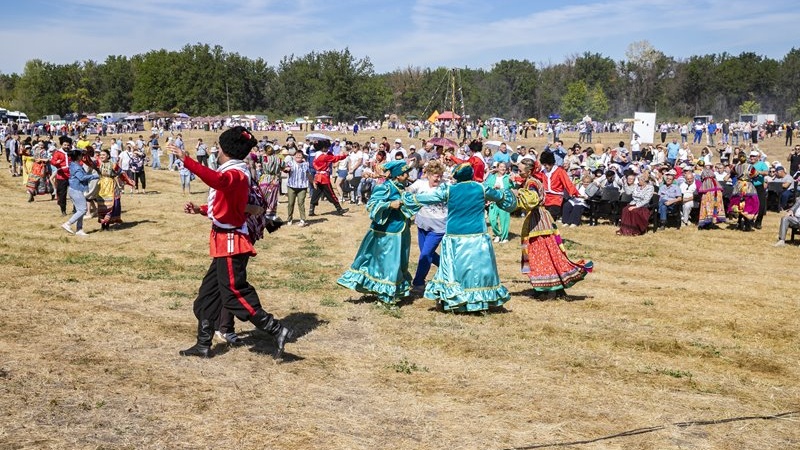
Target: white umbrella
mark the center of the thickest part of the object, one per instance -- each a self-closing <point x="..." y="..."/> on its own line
<point x="494" y="145"/>
<point x="318" y="137"/>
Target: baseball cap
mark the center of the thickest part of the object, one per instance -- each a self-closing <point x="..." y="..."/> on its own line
<point x="398" y="141"/>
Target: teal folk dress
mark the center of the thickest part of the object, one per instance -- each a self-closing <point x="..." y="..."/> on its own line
<point x="381" y="265"/>
<point x="467" y="278"/>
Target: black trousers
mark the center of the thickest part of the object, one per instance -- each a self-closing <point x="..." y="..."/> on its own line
<point x="203" y="159"/>
<point x="573" y="213"/>
<point x="762" y="202"/>
<point x="140" y="176"/>
<point x="555" y="211"/>
<point x="61" y="194"/>
<point x="324" y="190"/>
<point x="225" y="285"/>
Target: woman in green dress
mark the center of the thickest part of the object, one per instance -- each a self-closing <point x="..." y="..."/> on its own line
<point x="467" y="278"/>
<point x="380" y="267"/>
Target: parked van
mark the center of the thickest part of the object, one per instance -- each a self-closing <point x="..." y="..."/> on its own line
<point x="49" y="118"/>
<point x="17" y="116"/>
<point x="703" y="119"/>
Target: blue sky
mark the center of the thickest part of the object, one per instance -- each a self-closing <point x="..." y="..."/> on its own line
<point x="396" y="34"/>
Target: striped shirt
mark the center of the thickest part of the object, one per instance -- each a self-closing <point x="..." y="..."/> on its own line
<point x="298" y="177"/>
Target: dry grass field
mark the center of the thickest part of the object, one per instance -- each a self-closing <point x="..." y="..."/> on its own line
<point x="676" y="326"/>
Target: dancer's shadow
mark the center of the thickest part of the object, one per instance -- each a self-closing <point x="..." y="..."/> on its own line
<point x="373" y="299"/>
<point x="126" y="225"/>
<point x="316" y="220"/>
<point x="491" y="311"/>
<point x="301" y="324"/>
<point x="540" y="296"/>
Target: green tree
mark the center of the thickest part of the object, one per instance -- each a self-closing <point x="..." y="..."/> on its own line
<point x="575" y="103"/>
<point x="750" y="107"/>
<point x="115" y="84"/>
<point x="598" y="105"/>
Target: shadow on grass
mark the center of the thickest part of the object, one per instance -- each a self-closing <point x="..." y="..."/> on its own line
<point x="543" y="296"/>
<point x="316" y="220"/>
<point x="491" y="311"/>
<point x="373" y="299"/>
<point x="301" y="324"/>
<point x="126" y="225"/>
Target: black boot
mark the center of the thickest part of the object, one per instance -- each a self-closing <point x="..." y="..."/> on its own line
<point x="311" y="211"/>
<point x="340" y="210"/>
<point x="266" y="322"/>
<point x="205" y="332"/>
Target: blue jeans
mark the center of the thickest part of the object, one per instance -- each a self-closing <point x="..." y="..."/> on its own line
<point x="663" y="208"/>
<point x="156" y="164"/>
<point x="785" y="196"/>
<point x="428" y="243"/>
<point x="79" y="200"/>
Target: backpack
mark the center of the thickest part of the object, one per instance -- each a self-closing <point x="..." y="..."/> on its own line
<point x="256" y="224"/>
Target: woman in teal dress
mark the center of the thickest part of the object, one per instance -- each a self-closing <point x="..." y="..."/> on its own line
<point x="467" y="278"/>
<point x="381" y="265"/>
<point x="499" y="219"/>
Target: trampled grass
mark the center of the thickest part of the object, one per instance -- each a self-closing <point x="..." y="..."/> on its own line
<point x="674" y="326"/>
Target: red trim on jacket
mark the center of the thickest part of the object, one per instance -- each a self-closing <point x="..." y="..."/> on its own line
<point x="322" y="165"/>
<point x="61" y="163"/>
<point x="559" y="182"/>
<point x="478" y="167"/>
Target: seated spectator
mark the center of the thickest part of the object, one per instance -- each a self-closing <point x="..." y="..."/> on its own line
<point x="792" y="218"/>
<point x="688" y="189"/>
<point x="787" y="183"/>
<point x="636" y="216"/>
<point x="670" y="196"/>
<point x="610" y="179"/>
<point x="575" y="206"/>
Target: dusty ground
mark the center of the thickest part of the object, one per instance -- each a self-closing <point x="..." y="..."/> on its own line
<point x="675" y="326"/>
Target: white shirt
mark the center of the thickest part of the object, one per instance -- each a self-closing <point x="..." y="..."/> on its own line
<point x="395" y="151"/>
<point x="635" y="146"/>
<point x="125" y="160"/>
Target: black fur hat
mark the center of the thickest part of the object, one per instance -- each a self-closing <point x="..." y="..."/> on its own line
<point x="547" y="158"/>
<point x="237" y="142"/>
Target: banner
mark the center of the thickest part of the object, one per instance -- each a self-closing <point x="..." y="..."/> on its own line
<point x="644" y="125"/>
<point x="433" y="116"/>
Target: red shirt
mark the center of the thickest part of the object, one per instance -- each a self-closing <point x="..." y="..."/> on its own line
<point x="478" y="167"/>
<point x="555" y="183"/>
<point x="322" y="165"/>
<point x="61" y="163"/>
<point x="227" y="200"/>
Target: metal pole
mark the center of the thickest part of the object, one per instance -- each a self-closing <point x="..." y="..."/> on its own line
<point x="228" y="96"/>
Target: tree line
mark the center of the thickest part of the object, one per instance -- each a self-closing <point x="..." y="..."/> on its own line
<point x="205" y="80"/>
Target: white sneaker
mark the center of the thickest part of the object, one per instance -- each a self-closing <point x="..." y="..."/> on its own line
<point x="504" y="241"/>
<point x="67" y="228"/>
<point x="780" y="243"/>
<point x="572" y="225"/>
<point x="302" y="223"/>
<point x="289" y="223"/>
<point x="496" y="239"/>
<point x="80" y="233"/>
